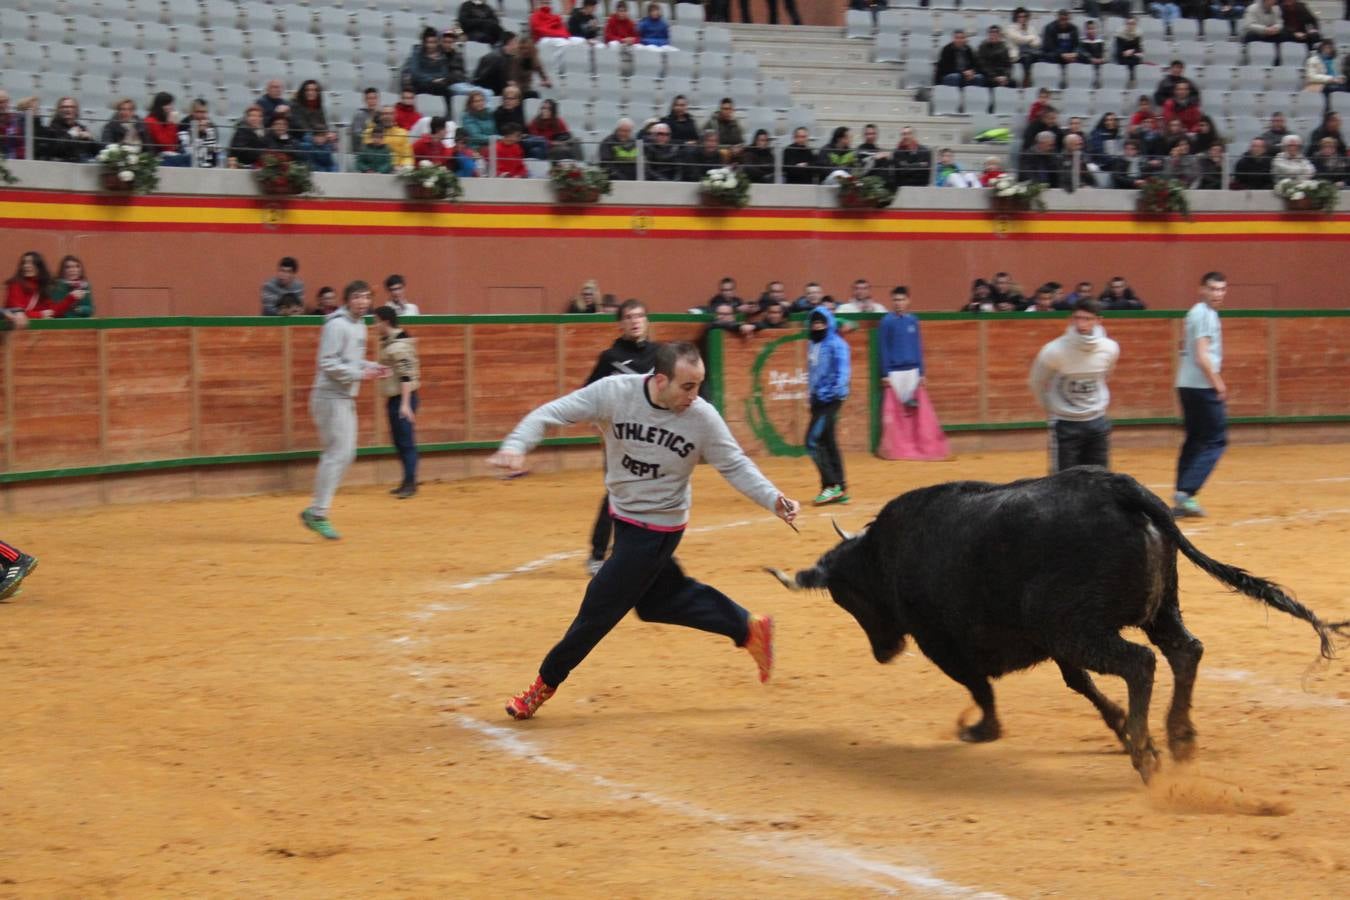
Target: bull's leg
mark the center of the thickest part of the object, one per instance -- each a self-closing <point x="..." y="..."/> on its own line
<point x="1183" y="651"/>
<point x="1079" y="680"/>
<point x="987" y="729"/>
<point x="1110" y="654"/>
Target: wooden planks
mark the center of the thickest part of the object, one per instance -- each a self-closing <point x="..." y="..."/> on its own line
<point x="148" y="389"/>
<point x="56" y="413"/>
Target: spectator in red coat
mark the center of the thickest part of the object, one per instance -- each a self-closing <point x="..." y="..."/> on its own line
<point x="405" y="110"/>
<point x="161" y="123"/>
<point x="510" y="154"/>
<point x="27" y="287"/>
<point x="431" y="146"/>
<point x="545" y="23"/>
<point x="1183" y="107"/>
<point x="619" y="27"/>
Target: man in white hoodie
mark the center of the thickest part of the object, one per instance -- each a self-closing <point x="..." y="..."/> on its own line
<point x="1069" y="378"/>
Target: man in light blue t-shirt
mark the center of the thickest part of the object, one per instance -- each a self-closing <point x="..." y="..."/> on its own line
<point x="1203" y="395"/>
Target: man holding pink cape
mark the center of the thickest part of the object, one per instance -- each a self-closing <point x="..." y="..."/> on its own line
<point x="910" y="427"/>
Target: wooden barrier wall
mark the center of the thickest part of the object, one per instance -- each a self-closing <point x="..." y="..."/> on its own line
<point x="82" y="401"/>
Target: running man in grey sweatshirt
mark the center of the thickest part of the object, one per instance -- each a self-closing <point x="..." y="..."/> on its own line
<point x="342" y="366"/>
<point x="656" y="430"/>
<point x="1069" y="378"/>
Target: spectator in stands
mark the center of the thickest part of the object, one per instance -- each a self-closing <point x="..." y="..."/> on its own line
<point x="454" y="60"/>
<point x="705" y="157"/>
<point x="1129" y="46"/>
<point x="290" y="305"/>
<point x="661" y="156"/>
<point x="1119" y="295"/>
<point x="431" y="148"/>
<point x="1206" y="135"/>
<point x="396" y="287"/>
<point x="1005" y="296"/>
<point x="861" y="301"/>
<point x="724" y="319"/>
<point x="280" y="140"/>
<point x="1075" y="168"/>
<point x="1252" y="170"/>
<point x="757" y="160"/>
<point x="1155" y="139"/>
<point x="993" y="170"/>
<point x="799" y="159"/>
<point x="396" y="138"/>
<point x="586" y="299"/>
<point x="511" y="153"/>
<point x="12" y="129"/>
<point x="1180" y="165"/>
<point x="911" y="162"/>
<point x="1039" y="105"/>
<point x="1092" y="48"/>
<point x="653" y="30"/>
<point x="1227" y="10"/>
<point x="1299" y="23"/>
<point x="406" y="115"/>
<point x="618" y="152"/>
<point x="549" y="127"/>
<point x="1167" y="10"/>
<point x="809" y="299"/>
<point x="1329" y="163"/>
<point x="1182" y="107"/>
<point x="509" y="111"/>
<point x="1024" y="42"/>
<point x="479" y="22"/>
<point x="1059" y="41"/>
<point x="1081" y="291"/>
<point x="65" y="139"/>
<point x="494" y="69"/>
<point x="582" y="22"/>
<point x="950" y="174"/>
<point x="730" y="137"/>
<point x="1330" y="128"/>
<point x="526" y="66"/>
<point x="125" y="127"/>
<point x="957" y="65"/>
<point x="994" y="59"/>
<point x="1321" y="72"/>
<point x="249" y="140"/>
<point x="1105" y="137"/>
<point x="1275" y="133"/>
<point x="774" y="316"/>
<point x="374" y="156"/>
<point x="286" y="281"/>
<point x="1043" y="301"/>
<point x="325" y="301"/>
<point x="1129" y="170"/>
<point x="838" y="154"/>
<point x="477" y="128"/>
<point x="726" y="293"/>
<point x="869" y="151"/>
<point x="620" y="30"/>
<point x="273" y="100"/>
<point x="683" y="128"/>
<point x="774" y="292"/>
<point x="161" y="123"/>
<point x="198" y="138"/>
<point x="980" y="300"/>
<point x="1261" y="22"/>
<point x="369" y="111"/>
<point x="427" y="70"/>
<point x="309" y="124"/>
<point x="1211" y="168"/>
<point x="1167" y="86"/>
<point x="1143" y="111"/>
<point x="1291" y="163"/>
<point x="545" y="23"/>
<point x="27" y="288"/>
<point x="1049" y="122"/>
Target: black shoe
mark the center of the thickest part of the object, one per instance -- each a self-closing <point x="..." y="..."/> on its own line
<point x="398" y="490"/>
<point x="406" y="491"/>
<point x="15" y="574"/>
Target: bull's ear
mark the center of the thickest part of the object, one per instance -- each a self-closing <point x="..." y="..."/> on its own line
<point x="814" y="577"/>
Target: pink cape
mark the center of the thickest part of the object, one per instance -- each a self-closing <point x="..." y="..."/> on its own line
<point x="910" y="432"/>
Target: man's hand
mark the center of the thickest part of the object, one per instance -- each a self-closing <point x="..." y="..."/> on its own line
<point x="786" y="509"/>
<point x="509" y="460"/>
<point x="1220" y="388"/>
<point x="405" y="412"/>
<point x="373" y="371"/>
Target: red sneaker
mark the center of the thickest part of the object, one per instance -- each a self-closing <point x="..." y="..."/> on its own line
<point x="527" y="702"/>
<point x="759" y="642"/>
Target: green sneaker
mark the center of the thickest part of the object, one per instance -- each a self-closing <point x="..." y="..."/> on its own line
<point x="1187" y="508"/>
<point x="832" y="494"/>
<point x="320" y="525"/>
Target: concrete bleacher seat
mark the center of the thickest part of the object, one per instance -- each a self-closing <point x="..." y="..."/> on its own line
<point x="685" y="37"/>
<point x="946" y="100"/>
<point x="857" y="24"/>
<point x="888" y="48"/>
<point x="716" y="39"/>
<point x="689" y="13"/>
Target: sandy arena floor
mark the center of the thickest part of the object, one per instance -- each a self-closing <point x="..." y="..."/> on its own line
<point x="202" y="699"/>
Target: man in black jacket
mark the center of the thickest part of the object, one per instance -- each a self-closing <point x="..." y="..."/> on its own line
<point x="1059" y="40"/>
<point x="582" y="22"/>
<point x="631" y="354"/>
<point x="1252" y="170"/>
<point x="479" y="22"/>
<point x="957" y="65"/>
<point x="661" y="156"/>
<point x="799" y="159"/>
<point x="1040" y="162"/>
<point x="65" y="139"/>
<point x="494" y="69"/>
<point x="911" y="162"/>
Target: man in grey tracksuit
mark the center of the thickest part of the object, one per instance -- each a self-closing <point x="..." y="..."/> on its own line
<point x="656" y="430"/>
<point x="1069" y="378"/>
<point x="342" y="366"/>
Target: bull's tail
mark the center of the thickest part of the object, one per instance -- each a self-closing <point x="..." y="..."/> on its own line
<point x="1135" y="496"/>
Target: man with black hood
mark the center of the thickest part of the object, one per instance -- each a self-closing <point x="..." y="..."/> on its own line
<point x="829" y="369"/>
<point x="632" y="353"/>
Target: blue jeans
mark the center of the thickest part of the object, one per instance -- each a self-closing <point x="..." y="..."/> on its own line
<point x="1168" y="12"/>
<point x="821" y="443"/>
<point x="318" y="160"/>
<point x="955" y="80"/>
<point x="1206" y="419"/>
<point x="642" y="574"/>
<point x="404" y="437"/>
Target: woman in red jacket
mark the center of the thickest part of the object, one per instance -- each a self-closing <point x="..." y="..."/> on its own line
<point x="547" y="124"/>
<point x="162" y="124"/>
<point x="27" y="288"/>
<point x="545" y="23"/>
<point x="619" y="28"/>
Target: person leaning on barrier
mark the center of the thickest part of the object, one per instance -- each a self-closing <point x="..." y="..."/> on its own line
<point x="618" y="152"/>
<point x="662" y="157"/>
<point x="1252" y="170"/>
<point x="65" y="138"/>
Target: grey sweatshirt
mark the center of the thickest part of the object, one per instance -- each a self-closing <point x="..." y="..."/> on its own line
<point x="342" y="356"/>
<point x="1069" y="375"/>
<point x="650" y="452"/>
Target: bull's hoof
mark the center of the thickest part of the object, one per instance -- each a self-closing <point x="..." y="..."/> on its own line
<point x="1181" y="744"/>
<point x="1146" y="762"/>
<point x="981" y="732"/>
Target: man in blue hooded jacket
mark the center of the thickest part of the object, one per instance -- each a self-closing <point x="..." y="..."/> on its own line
<point x="829" y="366"/>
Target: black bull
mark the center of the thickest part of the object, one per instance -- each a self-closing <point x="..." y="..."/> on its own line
<point x="991" y="578"/>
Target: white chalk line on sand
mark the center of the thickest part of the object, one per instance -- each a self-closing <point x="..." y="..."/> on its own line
<point x="808" y="855"/>
<point x="1278" y="695"/>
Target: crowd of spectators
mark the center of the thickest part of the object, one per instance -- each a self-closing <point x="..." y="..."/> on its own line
<point x="1002" y="294"/>
<point x="284" y="294"/>
<point x="34" y="291"/>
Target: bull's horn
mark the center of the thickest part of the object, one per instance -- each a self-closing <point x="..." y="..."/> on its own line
<point x="844" y="535"/>
<point x="783" y="578"/>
